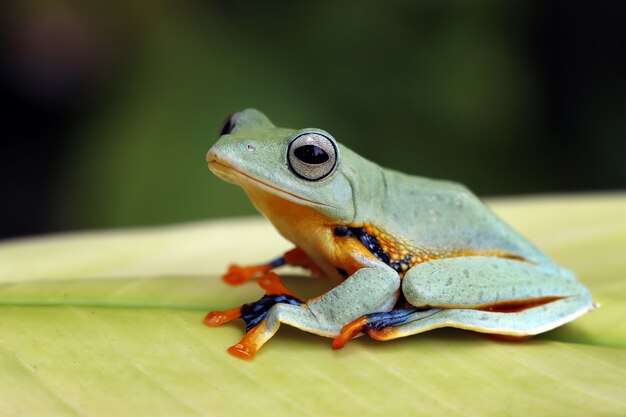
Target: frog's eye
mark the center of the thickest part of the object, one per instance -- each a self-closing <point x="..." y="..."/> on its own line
<point x="229" y="124"/>
<point x="312" y="156"/>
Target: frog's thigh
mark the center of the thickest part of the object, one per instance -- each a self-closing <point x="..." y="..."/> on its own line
<point x="368" y="290"/>
<point x="481" y="281"/>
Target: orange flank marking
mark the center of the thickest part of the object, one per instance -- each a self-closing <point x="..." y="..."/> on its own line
<point x="247" y="347"/>
<point x="406" y="254"/>
<point x="217" y="318"/>
<point x="519" y="305"/>
<point x="237" y="274"/>
<point x="495" y="253"/>
<point x="349" y="332"/>
<point x="272" y="284"/>
<point x="507" y="338"/>
<point x="298" y="257"/>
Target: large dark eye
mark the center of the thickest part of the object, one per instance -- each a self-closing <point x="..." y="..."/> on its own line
<point x="312" y="156"/>
<point x="229" y="124"/>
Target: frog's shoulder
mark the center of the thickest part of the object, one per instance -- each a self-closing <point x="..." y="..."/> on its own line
<point x="411" y="195"/>
<point x="383" y="193"/>
<point x="416" y="188"/>
<point x="403" y="202"/>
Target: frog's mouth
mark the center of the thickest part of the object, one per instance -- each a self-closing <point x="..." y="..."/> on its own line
<point x="233" y="175"/>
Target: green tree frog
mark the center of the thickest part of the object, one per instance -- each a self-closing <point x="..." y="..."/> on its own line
<point x="408" y="254"/>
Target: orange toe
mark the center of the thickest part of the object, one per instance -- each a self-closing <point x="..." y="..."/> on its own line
<point x="239" y="274"/>
<point x="272" y="284"/>
<point x="386" y="333"/>
<point x="217" y="318"/>
<point x="349" y="332"/>
<point x="242" y="351"/>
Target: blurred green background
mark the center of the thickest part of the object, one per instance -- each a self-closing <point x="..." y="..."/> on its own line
<point x="110" y="106"/>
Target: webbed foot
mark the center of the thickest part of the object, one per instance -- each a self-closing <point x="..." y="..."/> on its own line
<point x="254" y="314"/>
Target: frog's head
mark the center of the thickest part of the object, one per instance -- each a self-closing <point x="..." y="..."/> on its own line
<point x="304" y="167"/>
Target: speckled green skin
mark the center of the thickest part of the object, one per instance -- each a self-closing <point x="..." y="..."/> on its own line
<point x="437" y="215"/>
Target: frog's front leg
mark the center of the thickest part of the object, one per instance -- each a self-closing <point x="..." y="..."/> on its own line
<point x="483" y="294"/>
<point x="238" y="274"/>
<point x="370" y="289"/>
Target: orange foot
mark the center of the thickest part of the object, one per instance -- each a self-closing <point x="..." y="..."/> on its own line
<point x="237" y="274"/>
<point x="349" y="332"/>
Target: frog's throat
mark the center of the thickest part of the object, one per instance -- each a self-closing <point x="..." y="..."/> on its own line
<point x="232" y="174"/>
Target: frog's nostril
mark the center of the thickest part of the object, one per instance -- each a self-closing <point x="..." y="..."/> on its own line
<point x="229" y="124"/>
<point x="211" y="155"/>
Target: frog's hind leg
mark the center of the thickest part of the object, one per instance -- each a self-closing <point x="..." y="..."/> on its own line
<point x="490" y="295"/>
<point x="483" y="294"/>
<point x="521" y="324"/>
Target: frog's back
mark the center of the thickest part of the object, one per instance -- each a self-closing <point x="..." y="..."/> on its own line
<point x="442" y="217"/>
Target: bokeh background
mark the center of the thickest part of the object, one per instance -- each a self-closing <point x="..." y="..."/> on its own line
<point x="110" y="106"/>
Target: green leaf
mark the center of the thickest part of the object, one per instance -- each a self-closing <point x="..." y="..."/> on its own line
<point x="110" y="324"/>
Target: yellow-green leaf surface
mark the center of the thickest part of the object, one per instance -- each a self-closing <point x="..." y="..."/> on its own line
<point x="110" y="324"/>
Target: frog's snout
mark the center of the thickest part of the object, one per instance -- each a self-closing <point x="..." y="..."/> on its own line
<point x="212" y="155"/>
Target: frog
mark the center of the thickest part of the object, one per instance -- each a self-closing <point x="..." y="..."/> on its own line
<point x="405" y="254"/>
